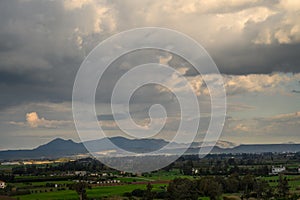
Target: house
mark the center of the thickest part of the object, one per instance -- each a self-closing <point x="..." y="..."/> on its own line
<point x="277" y="170"/>
<point x="195" y="171"/>
<point x="2" y="184"/>
<point x="80" y="173"/>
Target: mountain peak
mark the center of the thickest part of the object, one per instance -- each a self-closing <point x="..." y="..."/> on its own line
<point x="58" y="141"/>
<point x="59" y="144"/>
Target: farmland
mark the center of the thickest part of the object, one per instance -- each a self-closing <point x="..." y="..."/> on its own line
<point x="233" y="175"/>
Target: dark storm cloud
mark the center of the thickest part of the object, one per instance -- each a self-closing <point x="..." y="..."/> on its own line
<point x="16" y="79"/>
<point x="42" y="43"/>
<point x="243" y="37"/>
<point x="268" y="46"/>
<point x="250" y="59"/>
<point x="258" y="59"/>
<point x="39" y="53"/>
<point x="108" y="117"/>
<point x="9" y="42"/>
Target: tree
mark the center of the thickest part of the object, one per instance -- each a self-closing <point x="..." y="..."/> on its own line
<point x="214" y="190"/>
<point x="182" y="188"/>
<point x="283" y="186"/>
<point x="208" y="186"/>
<point x="138" y="193"/>
<point x="148" y="192"/>
<point x="81" y="191"/>
<point x="187" y="168"/>
<point x="262" y="189"/>
<point x="248" y="184"/>
<point x="232" y="184"/>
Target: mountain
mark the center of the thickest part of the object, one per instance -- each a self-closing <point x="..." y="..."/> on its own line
<point x="251" y="148"/>
<point x="134" y="145"/>
<point x="58" y="146"/>
<point x="221" y="143"/>
<point x="54" y="149"/>
<point x="264" y="148"/>
<point x="63" y="148"/>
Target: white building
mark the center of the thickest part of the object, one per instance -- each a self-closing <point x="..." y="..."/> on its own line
<point x="277" y="170"/>
<point x="195" y="171"/>
<point x="2" y="184"/>
<point x="80" y="173"/>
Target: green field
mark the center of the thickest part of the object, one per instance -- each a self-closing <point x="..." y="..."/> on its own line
<point x="162" y="175"/>
<point x="62" y="195"/>
<point x="40" y="184"/>
<point x="294" y="181"/>
<point x="57" y="185"/>
<point x="96" y="192"/>
<point x="39" y="191"/>
<point x="119" y="190"/>
<point x="134" y="179"/>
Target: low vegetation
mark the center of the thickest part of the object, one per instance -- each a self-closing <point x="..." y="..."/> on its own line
<point x="224" y="176"/>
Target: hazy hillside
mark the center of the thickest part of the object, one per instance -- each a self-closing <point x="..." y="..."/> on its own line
<point x="61" y="148"/>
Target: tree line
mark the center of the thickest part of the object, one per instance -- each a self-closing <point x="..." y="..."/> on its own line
<point x="214" y="186"/>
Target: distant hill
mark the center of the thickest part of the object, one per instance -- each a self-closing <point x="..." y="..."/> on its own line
<point x="134" y="145"/>
<point x="221" y="143"/>
<point x="63" y="148"/>
<point x="54" y="149"/>
<point x="263" y="148"/>
<point x="252" y="148"/>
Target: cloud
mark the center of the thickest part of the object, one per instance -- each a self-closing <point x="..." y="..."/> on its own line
<point x="273" y="128"/>
<point x="238" y="84"/>
<point x="42" y="33"/>
<point x="75" y="4"/>
<point x="101" y="16"/>
<point x="255" y="45"/>
<point x="239" y="107"/>
<point x="34" y="121"/>
<point x="277" y="82"/>
<point x="295" y="91"/>
<point x="165" y="60"/>
<point x="42" y="44"/>
<point x="242" y="37"/>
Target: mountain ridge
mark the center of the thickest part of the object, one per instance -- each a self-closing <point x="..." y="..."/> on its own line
<point x="59" y="147"/>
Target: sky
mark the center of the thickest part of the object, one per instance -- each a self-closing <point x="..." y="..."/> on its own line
<point x="254" y="43"/>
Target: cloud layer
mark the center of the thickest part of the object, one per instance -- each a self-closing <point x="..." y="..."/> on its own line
<point x="34" y="121"/>
<point x="255" y="44"/>
<point x="42" y="44"/>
